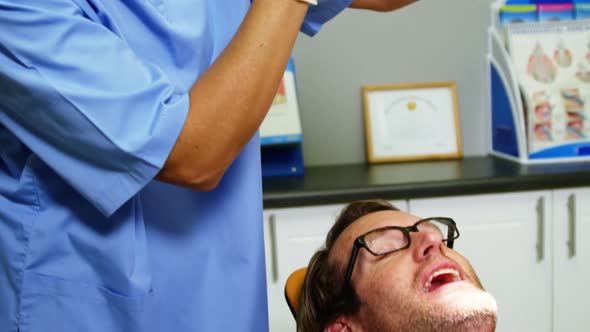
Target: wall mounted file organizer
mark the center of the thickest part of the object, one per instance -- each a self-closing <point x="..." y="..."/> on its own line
<point x="539" y="89"/>
<point x="281" y="136"/>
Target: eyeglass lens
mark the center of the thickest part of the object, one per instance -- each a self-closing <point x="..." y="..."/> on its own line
<point x="386" y="240"/>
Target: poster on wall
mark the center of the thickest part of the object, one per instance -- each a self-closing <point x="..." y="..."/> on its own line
<point x="552" y="61"/>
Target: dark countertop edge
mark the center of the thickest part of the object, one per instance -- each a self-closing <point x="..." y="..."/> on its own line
<point x="426" y="189"/>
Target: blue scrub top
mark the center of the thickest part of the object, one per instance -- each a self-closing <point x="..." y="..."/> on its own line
<point x="93" y="94"/>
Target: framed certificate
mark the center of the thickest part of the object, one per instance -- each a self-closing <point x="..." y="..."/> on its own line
<point x="412" y="122"/>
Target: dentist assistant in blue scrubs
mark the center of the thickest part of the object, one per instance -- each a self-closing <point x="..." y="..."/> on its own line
<point x="130" y="183"/>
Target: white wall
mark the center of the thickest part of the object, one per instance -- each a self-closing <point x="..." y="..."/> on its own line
<point x="432" y="40"/>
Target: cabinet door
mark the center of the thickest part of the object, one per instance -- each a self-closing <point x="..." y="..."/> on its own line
<point x="571" y="227"/>
<point x="504" y="237"/>
<point x="292" y="236"/>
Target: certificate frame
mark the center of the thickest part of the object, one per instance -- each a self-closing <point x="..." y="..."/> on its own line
<point x="411" y="122"/>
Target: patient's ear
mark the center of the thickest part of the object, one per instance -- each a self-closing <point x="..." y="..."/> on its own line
<point x="341" y="324"/>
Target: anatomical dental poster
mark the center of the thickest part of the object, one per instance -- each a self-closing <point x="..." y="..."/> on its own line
<point x="552" y="62"/>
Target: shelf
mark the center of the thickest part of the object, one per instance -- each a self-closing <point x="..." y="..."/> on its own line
<point x="471" y="175"/>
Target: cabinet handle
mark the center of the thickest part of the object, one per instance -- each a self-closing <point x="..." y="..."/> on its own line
<point x="571" y="243"/>
<point x="540" y="229"/>
<point x="272" y="230"/>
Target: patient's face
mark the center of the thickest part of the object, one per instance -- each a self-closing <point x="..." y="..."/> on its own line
<point x="426" y="287"/>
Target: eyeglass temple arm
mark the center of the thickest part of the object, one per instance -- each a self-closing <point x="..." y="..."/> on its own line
<point x="355" y="249"/>
<point x="450" y="237"/>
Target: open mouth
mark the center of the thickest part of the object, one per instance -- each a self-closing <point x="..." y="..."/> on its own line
<point x="440" y="278"/>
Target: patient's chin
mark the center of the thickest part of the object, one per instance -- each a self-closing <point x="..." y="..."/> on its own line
<point x="466" y="318"/>
<point x="460" y="308"/>
<point x="475" y="301"/>
<point x="465" y="298"/>
<point x="473" y="312"/>
<point x="467" y="310"/>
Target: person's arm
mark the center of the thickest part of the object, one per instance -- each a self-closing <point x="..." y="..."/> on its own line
<point x="380" y="5"/>
<point x="230" y="100"/>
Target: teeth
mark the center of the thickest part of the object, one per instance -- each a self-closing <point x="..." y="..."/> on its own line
<point x="454" y="272"/>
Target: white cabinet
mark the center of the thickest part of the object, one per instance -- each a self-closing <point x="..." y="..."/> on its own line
<point x="530" y="249"/>
<point x="500" y="234"/>
<point x="292" y="236"/>
<point x="506" y="238"/>
<point x="571" y="242"/>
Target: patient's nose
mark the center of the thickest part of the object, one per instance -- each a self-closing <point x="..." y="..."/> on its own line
<point x="425" y="244"/>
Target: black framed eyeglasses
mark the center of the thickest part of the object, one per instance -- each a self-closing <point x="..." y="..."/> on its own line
<point x="386" y="240"/>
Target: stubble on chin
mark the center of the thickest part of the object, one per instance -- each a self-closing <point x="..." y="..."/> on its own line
<point x="480" y="321"/>
<point x="477" y="321"/>
<point x="409" y="315"/>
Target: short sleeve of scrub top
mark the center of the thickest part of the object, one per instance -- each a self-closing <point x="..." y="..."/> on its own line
<point x="83" y="102"/>
<point x="96" y="91"/>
